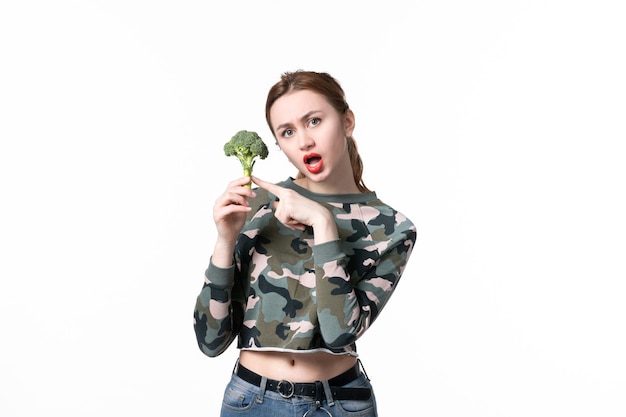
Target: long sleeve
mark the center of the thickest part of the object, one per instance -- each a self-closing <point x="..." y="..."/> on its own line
<point x="348" y="303"/>
<point x="217" y="316"/>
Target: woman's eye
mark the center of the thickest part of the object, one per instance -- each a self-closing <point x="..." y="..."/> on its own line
<point x="287" y="133"/>
<point x="315" y="121"/>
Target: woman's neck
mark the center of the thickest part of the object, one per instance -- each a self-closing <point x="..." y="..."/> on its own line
<point x="328" y="187"/>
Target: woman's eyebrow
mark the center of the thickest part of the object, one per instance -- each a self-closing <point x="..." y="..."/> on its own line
<point x="302" y="119"/>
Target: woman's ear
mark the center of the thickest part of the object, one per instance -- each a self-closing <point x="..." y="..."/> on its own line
<point x="348" y="122"/>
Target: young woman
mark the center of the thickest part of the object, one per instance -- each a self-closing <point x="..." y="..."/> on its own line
<point x="301" y="269"/>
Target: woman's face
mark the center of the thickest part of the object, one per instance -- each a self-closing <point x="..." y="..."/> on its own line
<point x="312" y="134"/>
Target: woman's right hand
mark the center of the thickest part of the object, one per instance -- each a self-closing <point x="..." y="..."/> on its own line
<point x="230" y="210"/>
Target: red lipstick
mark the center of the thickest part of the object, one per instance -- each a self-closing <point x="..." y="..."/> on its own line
<point x="313" y="162"/>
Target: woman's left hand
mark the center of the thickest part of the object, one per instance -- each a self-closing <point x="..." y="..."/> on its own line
<point x="296" y="211"/>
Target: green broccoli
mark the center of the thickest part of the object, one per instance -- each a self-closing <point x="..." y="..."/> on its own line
<point x="246" y="146"/>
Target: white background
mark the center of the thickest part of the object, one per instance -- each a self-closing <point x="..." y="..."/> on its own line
<point x="496" y="126"/>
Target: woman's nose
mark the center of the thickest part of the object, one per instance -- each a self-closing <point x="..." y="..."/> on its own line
<point x="306" y="141"/>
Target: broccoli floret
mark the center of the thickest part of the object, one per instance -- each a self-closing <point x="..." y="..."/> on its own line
<point x="246" y="146"/>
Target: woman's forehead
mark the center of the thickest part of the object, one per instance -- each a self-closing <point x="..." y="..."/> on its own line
<point x="296" y="104"/>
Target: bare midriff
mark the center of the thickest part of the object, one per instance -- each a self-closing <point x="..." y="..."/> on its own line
<point x="296" y="367"/>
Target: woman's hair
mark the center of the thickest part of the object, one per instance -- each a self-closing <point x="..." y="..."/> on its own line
<point x="321" y="83"/>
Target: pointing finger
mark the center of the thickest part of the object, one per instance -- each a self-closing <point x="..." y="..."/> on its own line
<point x="272" y="188"/>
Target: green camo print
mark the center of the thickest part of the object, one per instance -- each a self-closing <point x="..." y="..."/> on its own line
<point x="285" y="293"/>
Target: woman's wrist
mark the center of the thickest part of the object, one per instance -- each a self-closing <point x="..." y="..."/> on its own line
<point x="223" y="254"/>
<point x="325" y="229"/>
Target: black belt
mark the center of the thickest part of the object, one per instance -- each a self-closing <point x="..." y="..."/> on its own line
<point x="288" y="389"/>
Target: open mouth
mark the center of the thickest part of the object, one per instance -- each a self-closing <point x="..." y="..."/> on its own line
<point x="313" y="162"/>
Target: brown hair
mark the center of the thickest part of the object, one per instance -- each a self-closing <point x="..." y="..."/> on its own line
<point x="321" y="83"/>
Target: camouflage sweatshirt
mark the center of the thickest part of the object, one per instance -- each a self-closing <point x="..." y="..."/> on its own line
<point x="283" y="293"/>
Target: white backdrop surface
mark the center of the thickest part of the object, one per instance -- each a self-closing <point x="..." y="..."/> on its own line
<point x="497" y="127"/>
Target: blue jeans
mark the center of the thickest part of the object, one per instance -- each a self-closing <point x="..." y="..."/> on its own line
<point x="244" y="399"/>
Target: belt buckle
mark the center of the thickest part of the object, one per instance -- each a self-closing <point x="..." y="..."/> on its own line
<point x="285" y="388"/>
